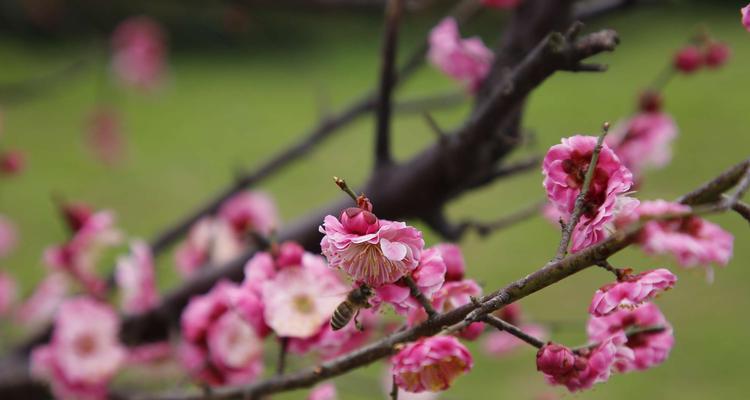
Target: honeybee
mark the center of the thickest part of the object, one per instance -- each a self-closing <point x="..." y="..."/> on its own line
<point x="357" y="299"/>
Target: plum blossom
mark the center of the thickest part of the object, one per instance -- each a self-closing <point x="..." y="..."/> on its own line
<point x="329" y="343"/>
<point x="210" y="241"/>
<point x="12" y="162"/>
<point x="561" y="366"/>
<point x="649" y="348"/>
<point x="564" y="169"/>
<point x="134" y="275"/>
<point x="222" y="336"/>
<point x="372" y="251"/>
<point x="716" y="54"/>
<point x="450" y="296"/>
<point x="691" y="240"/>
<point x="250" y="211"/>
<point x="8" y="236"/>
<point x="501" y="3"/>
<point x="44" y="301"/>
<point x="644" y="141"/>
<point x="104" y="135"/>
<point x="139" y="52"/>
<point x="259" y="269"/>
<point x="454" y="261"/>
<point x="631" y="291"/>
<point x="745" y="12"/>
<point x="465" y="60"/>
<point x="323" y="391"/>
<point x="8" y="293"/>
<point x="429" y="277"/>
<point x="430" y="364"/>
<point x="84" y="353"/>
<point x="688" y="59"/>
<point x="300" y="300"/>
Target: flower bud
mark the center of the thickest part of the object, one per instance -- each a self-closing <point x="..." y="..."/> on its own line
<point x="76" y="215"/>
<point x="290" y="254"/>
<point x="650" y="101"/>
<point x="359" y="221"/>
<point x="688" y="60"/>
<point x="717" y="54"/>
<point x="555" y="360"/>
<point x="12" y="162"/>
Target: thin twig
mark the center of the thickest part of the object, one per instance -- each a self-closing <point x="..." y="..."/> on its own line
<point x="629" y="333"/>
<point x="341" y="183"/>
<point x="283" y="351"/>
<point x="393" y="11"/>
<point x="429" y="103"/>
<point x="421" y="298"/>
<point x="513" y="330"/>
<point x="394" y="388"/>
<point x="604" y="264"/>
<point x="567" y="233"/>
<point x="485" y="229"/>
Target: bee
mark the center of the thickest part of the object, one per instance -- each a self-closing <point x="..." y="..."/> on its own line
<point x="357" y="299"/>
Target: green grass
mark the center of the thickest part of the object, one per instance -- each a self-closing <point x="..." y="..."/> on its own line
<point x="231" y="107"/>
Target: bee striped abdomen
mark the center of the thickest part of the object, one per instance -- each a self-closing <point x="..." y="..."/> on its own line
<point x="342" y="315"/>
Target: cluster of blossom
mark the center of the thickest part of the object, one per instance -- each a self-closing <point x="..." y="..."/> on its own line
<point x="217" y="239"/>
<point x="627" y="333"/>
<point x="706" y="51"/>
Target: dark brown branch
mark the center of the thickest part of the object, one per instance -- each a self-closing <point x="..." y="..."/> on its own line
<point x="430" y="103"/>
<point x="567" y="232"/>
<point x="713" y="189"/>
<point x="513" y="330"/>
<point x="393" y="11"/>
<point x="283" y="352"/>
<point x="417" y="294"/>
<point x="394" y="389"/>
<point x="743" y="209"/>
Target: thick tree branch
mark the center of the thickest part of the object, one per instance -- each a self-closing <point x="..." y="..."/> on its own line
<point x="393" y="11"/>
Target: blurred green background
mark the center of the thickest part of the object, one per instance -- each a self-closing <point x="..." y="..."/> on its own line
<point x="233" y="105"/>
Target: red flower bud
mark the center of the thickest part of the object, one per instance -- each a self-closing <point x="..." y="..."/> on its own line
<point x="688" y="59"/>
<point x="359" y="221"/>
<point x="717" y="54"/>
<point x="12" y="162"/>
<point x="76" y="215"/>
<point x="555" y="360"/>
<point x="650" y="101"/>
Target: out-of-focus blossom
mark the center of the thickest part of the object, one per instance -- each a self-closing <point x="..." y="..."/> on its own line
<point x="44" y="301"/>
<point x="250" y="211"/>
<point x="8" y="236"/>
<point x="691" y="240"/>
<point x="84" y="353"/>
<point x="135" y="277"/>
<point x="465" y="60"/>
<point x="564" y="170"/>
<point x="12" y="162"/>
<point x="329" y="343"/>
<point x="644" y="141"/>
<point x="454" y="261"/>
<point x="210" y="241"/>
<point x="8" y="293"/>
<point x="717" y="54"/>
<point x="222" y="336"/>
<point x="450" y="296"/>
<point x="631" y="291"/>
<point x="150" y="353"/>
<point x="688" y="59"/>
<point x="323" y="391"/>
<point x="299" y="301"/>
<point x="259" y="269"/>
<point x="501" y="343"/>
<point x="387" y="386"/>
<point x="649" y="348"/>
<point x="373" y="256"/>
<point x="428" y="276"/>
<point x="501" y="3"/>
<point x="430" y="364"/>
<point x="745" y="12"/>
<point x="139" y="52"/>
<point x="580" y="371"/>
<point x="104" y="135"/>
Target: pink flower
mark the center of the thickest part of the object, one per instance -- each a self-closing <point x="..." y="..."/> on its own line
<point x="76" y="261"/>
<point x="135" y="277"/>
<point x="430" y="364"/>
<point x="465" y="60"/>
<point x="688" y="59"/>
<point x="222" y="336"/>
<point x="429" y="277"/>
<point x="454" y="261"/>
<point x="631" y="291"/>
<point x="578" y="372"/>
<point x="644" y="141"/>
<point x="329" y="343"/>
<point x="84" y="353"/>
<point x="501" y="3"/>
<point x="649" y="348"/>
<point x="41" y="306"/>
<point x="499" y="343"/>
<point x="139" y="52"/>
<point x="259" y="269"/>
<point x="211" y="241"/>
<point x="300" y="300"/>
<point x="564" y="169"/>
<point x="377" y="258"/>
<point x="717" y="54"/>
<point x="450" y="296"/>
<point x="8" y="293"/>
<point x="104" y="135"/>
<point x="691" y="240"/>
<point x="8" y="236"/>
<point x="745" y="12"/>
<point x="12" y="162"/>
<point x="250" y="211"/>
<point x="323" y="391"/>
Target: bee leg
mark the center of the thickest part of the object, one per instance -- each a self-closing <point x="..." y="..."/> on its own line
<point x="358" y="324"/>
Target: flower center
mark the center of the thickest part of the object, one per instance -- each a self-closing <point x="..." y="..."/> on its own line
<point x="576" y="167"/>
<point x="303" y="304"/>
<point x="85" y="345"/>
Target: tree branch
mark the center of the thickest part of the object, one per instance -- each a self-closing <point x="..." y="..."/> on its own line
<point x="393" y="11"/>
<point x="513" y="330"/>
<point x="417" y="294"/>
